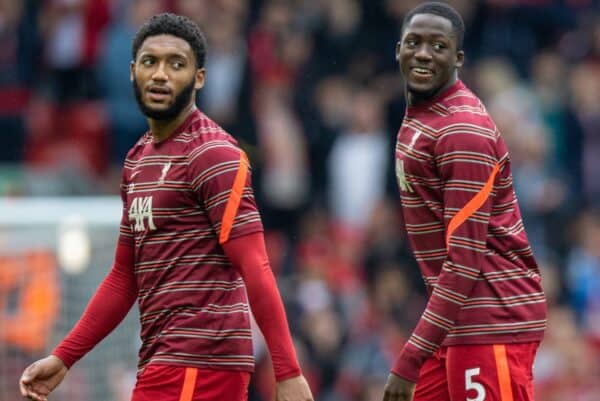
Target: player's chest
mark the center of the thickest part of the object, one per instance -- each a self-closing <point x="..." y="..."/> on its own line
<point x="157" y="191"/>
<point x="415" y="157"/>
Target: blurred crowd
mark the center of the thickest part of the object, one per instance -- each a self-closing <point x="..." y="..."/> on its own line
<point x="311" y="91"/>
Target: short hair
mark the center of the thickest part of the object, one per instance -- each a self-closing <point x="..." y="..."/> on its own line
<point x="442" y="10"/>
<point x="176" y="25"/>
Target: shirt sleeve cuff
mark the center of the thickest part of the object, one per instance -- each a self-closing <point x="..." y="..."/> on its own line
<point x="408" y="364"/>
<point x="63" y="357"/>
<point x="281" y="376"/>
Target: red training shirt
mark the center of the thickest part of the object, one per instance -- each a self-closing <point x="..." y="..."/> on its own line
<point x="203" y="318"/>
<point x="183" y="197"/>
<point x="465" y="229"/>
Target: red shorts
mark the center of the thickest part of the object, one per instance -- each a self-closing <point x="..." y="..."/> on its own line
<point x="501" y="372"/>
<point x="178" y="383"/>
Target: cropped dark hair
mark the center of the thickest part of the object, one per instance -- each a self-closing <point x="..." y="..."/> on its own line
<point x="176" y="25"/>
<point x="442" y="10"/>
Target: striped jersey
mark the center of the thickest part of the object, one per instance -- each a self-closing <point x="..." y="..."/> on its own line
<point x="182" y="198"/>
<point x="465" y="229"/>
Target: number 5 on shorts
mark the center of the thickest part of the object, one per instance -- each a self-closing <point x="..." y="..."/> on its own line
<point x="471" y="384"/>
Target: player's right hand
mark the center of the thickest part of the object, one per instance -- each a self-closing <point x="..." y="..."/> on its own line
<point x="41" y="377"/>
<point x="398" y="389"/>
<point x="294" y="389"/>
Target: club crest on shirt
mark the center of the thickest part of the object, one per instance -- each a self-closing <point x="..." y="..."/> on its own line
<point x="401" y="177"/>
<point x="139" y="211"/>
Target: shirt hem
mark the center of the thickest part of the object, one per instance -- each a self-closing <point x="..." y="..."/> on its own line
<point x="238" y="368"/>
<point x="496" y="339"/>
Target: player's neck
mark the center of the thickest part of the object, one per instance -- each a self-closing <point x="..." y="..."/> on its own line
<point x="162" y="129"/>
<point x="414" y="99"/>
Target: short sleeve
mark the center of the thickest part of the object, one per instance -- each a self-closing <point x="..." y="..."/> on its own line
<point x="220" y="177"/>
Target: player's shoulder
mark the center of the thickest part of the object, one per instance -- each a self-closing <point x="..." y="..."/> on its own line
<point x="136" y="150"/>
<point x="205" y="133"/>
<point x="208" y="143"/>
<point x="463" y="111"/>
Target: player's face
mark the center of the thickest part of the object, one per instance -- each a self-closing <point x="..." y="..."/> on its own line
<point x="427" y="55"/>
<point x="165" y="77"/>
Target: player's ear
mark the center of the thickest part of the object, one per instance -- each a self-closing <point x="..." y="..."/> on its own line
<point x="398" y="46"/>
<point x="460" y="58"/>
<point x="131" y="70"/>
<point x="200" y="75"/>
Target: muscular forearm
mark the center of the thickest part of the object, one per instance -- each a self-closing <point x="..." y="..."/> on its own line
<point x="107" y="308"/>
<point x="249" y="256"/>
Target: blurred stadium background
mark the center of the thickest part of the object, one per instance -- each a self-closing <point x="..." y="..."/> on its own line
<point x="311" y="91"/>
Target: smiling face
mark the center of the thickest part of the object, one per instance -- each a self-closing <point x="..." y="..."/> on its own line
<point x="165" y="77"/>
<point x="428" y="56"/>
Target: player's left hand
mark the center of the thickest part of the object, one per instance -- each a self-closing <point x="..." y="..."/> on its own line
<point x="294" y="389"/>
<point x="398" y="389"/>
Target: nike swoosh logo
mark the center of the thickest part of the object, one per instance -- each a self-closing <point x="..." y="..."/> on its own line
<point x="135" y="173"/>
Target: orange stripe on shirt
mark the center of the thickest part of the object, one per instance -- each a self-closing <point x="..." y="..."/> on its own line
<point x="239" y="183"/>
<point x="473" y="205"/>
<point x="503" y="372"/>
<point x="189" y="384"/>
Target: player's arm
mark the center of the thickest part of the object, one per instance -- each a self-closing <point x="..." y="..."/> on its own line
<point x="112" y="300"/>
<point x="468" y="165"/>
<point x="220" y="176"/>
<point x="249" y="256"/>
<point x="107" y="308"/>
